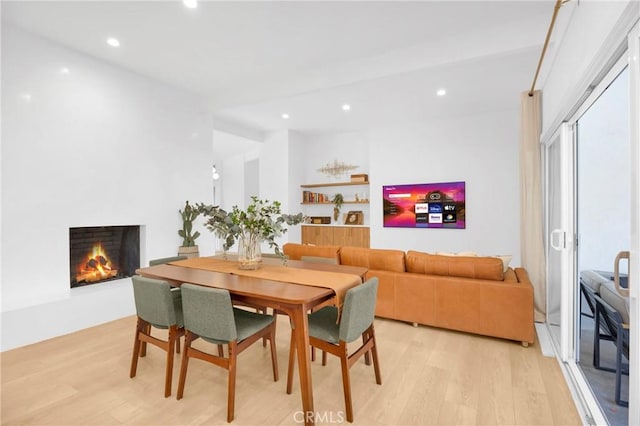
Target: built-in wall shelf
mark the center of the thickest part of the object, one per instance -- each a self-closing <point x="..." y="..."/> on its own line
<point x="344" y="202"/>
<point x="320" y="185"/>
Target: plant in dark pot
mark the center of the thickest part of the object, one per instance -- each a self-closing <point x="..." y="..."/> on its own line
<point x="337" y="201"/>
<point x="188" y="247"/>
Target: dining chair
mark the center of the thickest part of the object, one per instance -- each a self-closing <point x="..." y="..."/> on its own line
<point x="331" y="331"/>
<point x="157" y="306"/>
<point x="209" y="314"/>
<point x="160" y="261"/>
<point x="320" y="259"/>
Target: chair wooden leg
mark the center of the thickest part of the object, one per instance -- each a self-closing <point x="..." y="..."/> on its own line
<point x="220" y="351"/>
<point x="324" y="358"/>
<point x="169" y="368"/>
<point x="367" y="358"/>
<point x="346" y="381"/>
<point x="231" y="399"/>
<point x="374" y="354"/>
<point x="184" y="364"/>
<point x="136" y="349"/>
<point x="147" y="331"/>
<point x="274" y="355"/>
<point x="292" y="361"/>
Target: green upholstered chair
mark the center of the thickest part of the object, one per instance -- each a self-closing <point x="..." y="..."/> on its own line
<point x="319" y="259"/>
<point x="329" y="335"/>
<point x="154" y="262"/>
<point x="209" y="314"/>
<point x="157" y="306"/>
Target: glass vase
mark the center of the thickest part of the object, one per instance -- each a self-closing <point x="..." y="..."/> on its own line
<point x="249" y="252"/>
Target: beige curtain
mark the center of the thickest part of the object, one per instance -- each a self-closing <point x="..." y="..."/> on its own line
<point x="531" y="224"/>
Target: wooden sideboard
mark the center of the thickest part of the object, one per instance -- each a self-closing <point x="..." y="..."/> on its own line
<point x="354" y="236"/>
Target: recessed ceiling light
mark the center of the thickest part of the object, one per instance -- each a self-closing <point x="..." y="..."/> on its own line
<point x="64" y="70"/>
<point x="191" y="4"/>
<point x="441" y="92"/>
<point x="113" y="42"/>
<point x="346" y="107"/>
<point x="285" y="116"/>
<point x="26" y="97"/>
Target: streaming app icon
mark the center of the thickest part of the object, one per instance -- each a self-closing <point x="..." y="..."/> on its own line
<point x="449" y="217"/>
<point x="435" y="208"/>
<point x="422" y="208"/>
<point x="435" y="217"/>
<point x="449" y="207"/>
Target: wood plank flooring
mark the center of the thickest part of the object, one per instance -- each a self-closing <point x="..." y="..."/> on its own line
<point x="429" y="377"/>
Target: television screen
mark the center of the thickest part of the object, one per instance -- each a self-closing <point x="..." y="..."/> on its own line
<point x="424" y="205"/>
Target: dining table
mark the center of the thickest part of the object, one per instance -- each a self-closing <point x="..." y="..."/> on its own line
<point x="291" y="287"/>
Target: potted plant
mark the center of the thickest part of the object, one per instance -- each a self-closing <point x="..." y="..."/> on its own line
<point x="188" y="247"/>
<point x="262" y="221"/>
<point x="337" y="200"/>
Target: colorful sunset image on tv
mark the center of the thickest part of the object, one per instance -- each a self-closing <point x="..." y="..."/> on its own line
<point x="424" y="205"/>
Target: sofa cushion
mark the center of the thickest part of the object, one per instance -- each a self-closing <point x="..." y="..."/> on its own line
<point x="485" y="268"/>
<point x="593" y="279"/>
<point x="296" y="251"/>
<point x="617" y="301"/>
<point x="377" y="259"/>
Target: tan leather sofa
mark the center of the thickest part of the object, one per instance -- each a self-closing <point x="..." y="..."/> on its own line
<point x="470" y="294"/>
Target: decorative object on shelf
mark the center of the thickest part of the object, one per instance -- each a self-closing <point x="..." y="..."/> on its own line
<point x="320" y="220"/>
<point x="336" y="168"/>
<point x="354" y="218"/>
<point x="188" y="247"/>
<point x="337" y="200"/>
<point x="262" y="221"/>
<point x="363" y="177"/>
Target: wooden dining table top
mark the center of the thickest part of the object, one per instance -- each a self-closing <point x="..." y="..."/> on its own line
<point x="277" y="291"/>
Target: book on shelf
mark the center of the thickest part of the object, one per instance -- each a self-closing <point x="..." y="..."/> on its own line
<point x="314" y="197"/>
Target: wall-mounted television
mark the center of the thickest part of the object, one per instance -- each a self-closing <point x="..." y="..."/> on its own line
<point x="424" y="205"/>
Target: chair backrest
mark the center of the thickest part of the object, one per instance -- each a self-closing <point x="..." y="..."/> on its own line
<point x="358" y="310"/>
<point x="154" y="301"/>
<point x="208" y="312"/>
<point x="162" y="260"/>
<point x="319" y="259"/>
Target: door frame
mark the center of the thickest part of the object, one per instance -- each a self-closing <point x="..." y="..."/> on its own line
<point x="634" y="249"/>
<point x="566" y="353"/>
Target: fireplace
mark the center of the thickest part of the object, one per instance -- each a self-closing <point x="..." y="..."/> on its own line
<point x="103" y="253"/>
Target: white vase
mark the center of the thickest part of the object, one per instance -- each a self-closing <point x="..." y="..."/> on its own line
<point x="249" y="252"/>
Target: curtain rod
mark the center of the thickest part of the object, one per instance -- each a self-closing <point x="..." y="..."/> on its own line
<point x="556" y="9"/>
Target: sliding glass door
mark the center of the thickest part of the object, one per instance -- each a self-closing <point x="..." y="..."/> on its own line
<point x="592" y="204"/>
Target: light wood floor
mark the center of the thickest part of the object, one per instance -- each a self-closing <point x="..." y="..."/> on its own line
<point x="429" y="376"/>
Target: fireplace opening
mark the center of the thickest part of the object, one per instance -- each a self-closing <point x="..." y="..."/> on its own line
<point x="103" y="253"/>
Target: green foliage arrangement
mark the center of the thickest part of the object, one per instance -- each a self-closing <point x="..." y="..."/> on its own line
<point x="337" y="200"/>
<point x="189" y="214"/>
<point x="263" y="220"/>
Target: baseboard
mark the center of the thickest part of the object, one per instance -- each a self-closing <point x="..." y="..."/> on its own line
<point x="544" y="339"/>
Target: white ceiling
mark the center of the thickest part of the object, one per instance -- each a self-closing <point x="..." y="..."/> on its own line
<point x="252" y="61"/>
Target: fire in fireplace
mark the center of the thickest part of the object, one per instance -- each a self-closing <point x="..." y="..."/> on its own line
<point x="103" y="253"/>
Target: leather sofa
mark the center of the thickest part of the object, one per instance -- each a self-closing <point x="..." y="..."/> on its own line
<point x="472" y="294"/>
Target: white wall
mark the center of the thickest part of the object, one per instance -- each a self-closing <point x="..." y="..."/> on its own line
<point x="584" y="49"/>
<point x="481" y="150"/>
<point x="96" y="146"/>
<point x="350" y="148"/>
